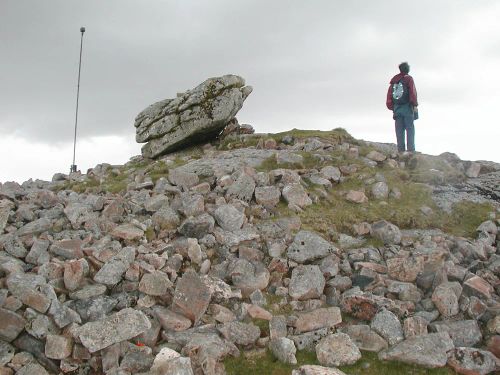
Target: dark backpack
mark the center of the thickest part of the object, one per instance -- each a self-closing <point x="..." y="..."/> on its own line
<point x="400" y="94"/>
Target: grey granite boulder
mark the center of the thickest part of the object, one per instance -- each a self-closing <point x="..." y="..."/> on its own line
<point x="229" y="217"/>
<point x="385" y="231"/>
<point x="337" y="350"/>
<point x="240" y="333"/>
<point x="473" y="361"/>
<point x="308" y="246"/>
<point x="462" y="332"/>
<point x="306" y="282"/>
<point x="115" y="328"/>
<point x="387" y="325"/>
<point x="424" y="350"/>
<point x="365" y="338"/>
<point x="197" y="227"/>
<point x="112" y="271"/>
<point x="193" y="117"/>
<point x="191" y="297"/>
<point x="284" y="349"/>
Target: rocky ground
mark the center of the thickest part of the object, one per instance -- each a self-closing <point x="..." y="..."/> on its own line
<point x="250" y="247"/>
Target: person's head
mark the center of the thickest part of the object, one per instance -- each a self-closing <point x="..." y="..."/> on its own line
<point x="404" y="68"/>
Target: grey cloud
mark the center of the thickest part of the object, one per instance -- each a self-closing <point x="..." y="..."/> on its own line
<point x="305" y="59"/>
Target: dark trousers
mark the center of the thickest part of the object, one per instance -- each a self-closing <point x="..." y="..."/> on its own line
<point x="405" y="124"/>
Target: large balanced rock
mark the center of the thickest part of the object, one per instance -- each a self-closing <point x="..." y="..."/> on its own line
<point x="194" y="116"/>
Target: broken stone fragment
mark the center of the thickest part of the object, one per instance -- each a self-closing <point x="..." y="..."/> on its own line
<point x="356" y="196"/>
<point x="284" y="349"/>
<point x="426" y="350"/>
<point x="58" y="347"/>
<point x="415" y="326"/>
<point x="308" y="246"/>
<point x="155" y="283"/>
<point x="307" y="282"/>
<point x="472" y="361"/>
<point x="296" y="195"/>
<point x="386" y="232"/>
<point x="242" y="189"/>
<point x="268" y="196"/>
<point x="365" y="338"/>
<point x="387" y="325"/>
<point x="317" y="319"/>
<point x="249" y="276"/>
<point x="11" y="325"/>
<point x="477" y="286"/>
<point x="197" y="227"/>
<point x="191" y="297"/>
<point x="229" y="217"/>
<point x="170" y="320"/>
<point x="120" y="326"/>
<point x="240" y="333"/>
<point x="463" y="332"/>
<point x="445" y="298"/>
<point x="405" y="269"/>
<point x="127" y="232"/>
<point x="111" y="272"/>
<point x="337" y="350"/>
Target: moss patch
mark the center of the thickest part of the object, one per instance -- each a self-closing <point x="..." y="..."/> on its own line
<point x="267" y="364"/>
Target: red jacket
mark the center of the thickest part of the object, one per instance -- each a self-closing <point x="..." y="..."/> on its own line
<point x="408" y="80"/>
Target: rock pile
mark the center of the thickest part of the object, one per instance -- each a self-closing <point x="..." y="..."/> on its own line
<point x="195" y="116"/>
<point x="174" y="275"/>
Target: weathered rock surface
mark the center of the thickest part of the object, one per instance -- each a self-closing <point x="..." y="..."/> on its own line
<point x="317" y="319"/>
<point x="284" y="349"/>
<point x="307" y="282"/>
<point x="387" y="325"/>
<point x="193" y="117"/>
<point x="425" y="350"/>
<point x="191" y="297"/>
<point x="121" y="326"/>
<point x="11" y="325"/>
<point x="463" y="333"/>
<point x="308" y="246"/>
<point x="365" y="338"/>
<point x="473" y="361"/>
<point x="337" y="350"/>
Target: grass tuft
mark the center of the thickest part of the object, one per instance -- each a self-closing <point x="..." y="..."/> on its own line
<point x="369" y="364"/>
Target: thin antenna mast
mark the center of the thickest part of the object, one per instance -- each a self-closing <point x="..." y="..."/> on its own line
<point x="73" y="166"/>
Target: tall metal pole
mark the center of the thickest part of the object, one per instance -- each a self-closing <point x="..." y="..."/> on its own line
<point x="73" y="166"/>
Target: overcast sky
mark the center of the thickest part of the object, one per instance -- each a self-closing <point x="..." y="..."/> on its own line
<point x="316" y="64"/>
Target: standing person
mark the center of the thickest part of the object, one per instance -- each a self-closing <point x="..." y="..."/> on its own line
<point x="402" y="101"/>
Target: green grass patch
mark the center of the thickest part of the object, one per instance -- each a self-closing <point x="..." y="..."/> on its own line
<point x="465" y="218"/>
<point x="235" y="142"/>
<point x="335" y="136"/>
<point x="336" y="213"/>
<point x="78" y="186"/>
<point x="115" y="183"/>
<point x="150" y="234"/>
<point x="157" y="170"/>
<point x="267" y="364"/>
